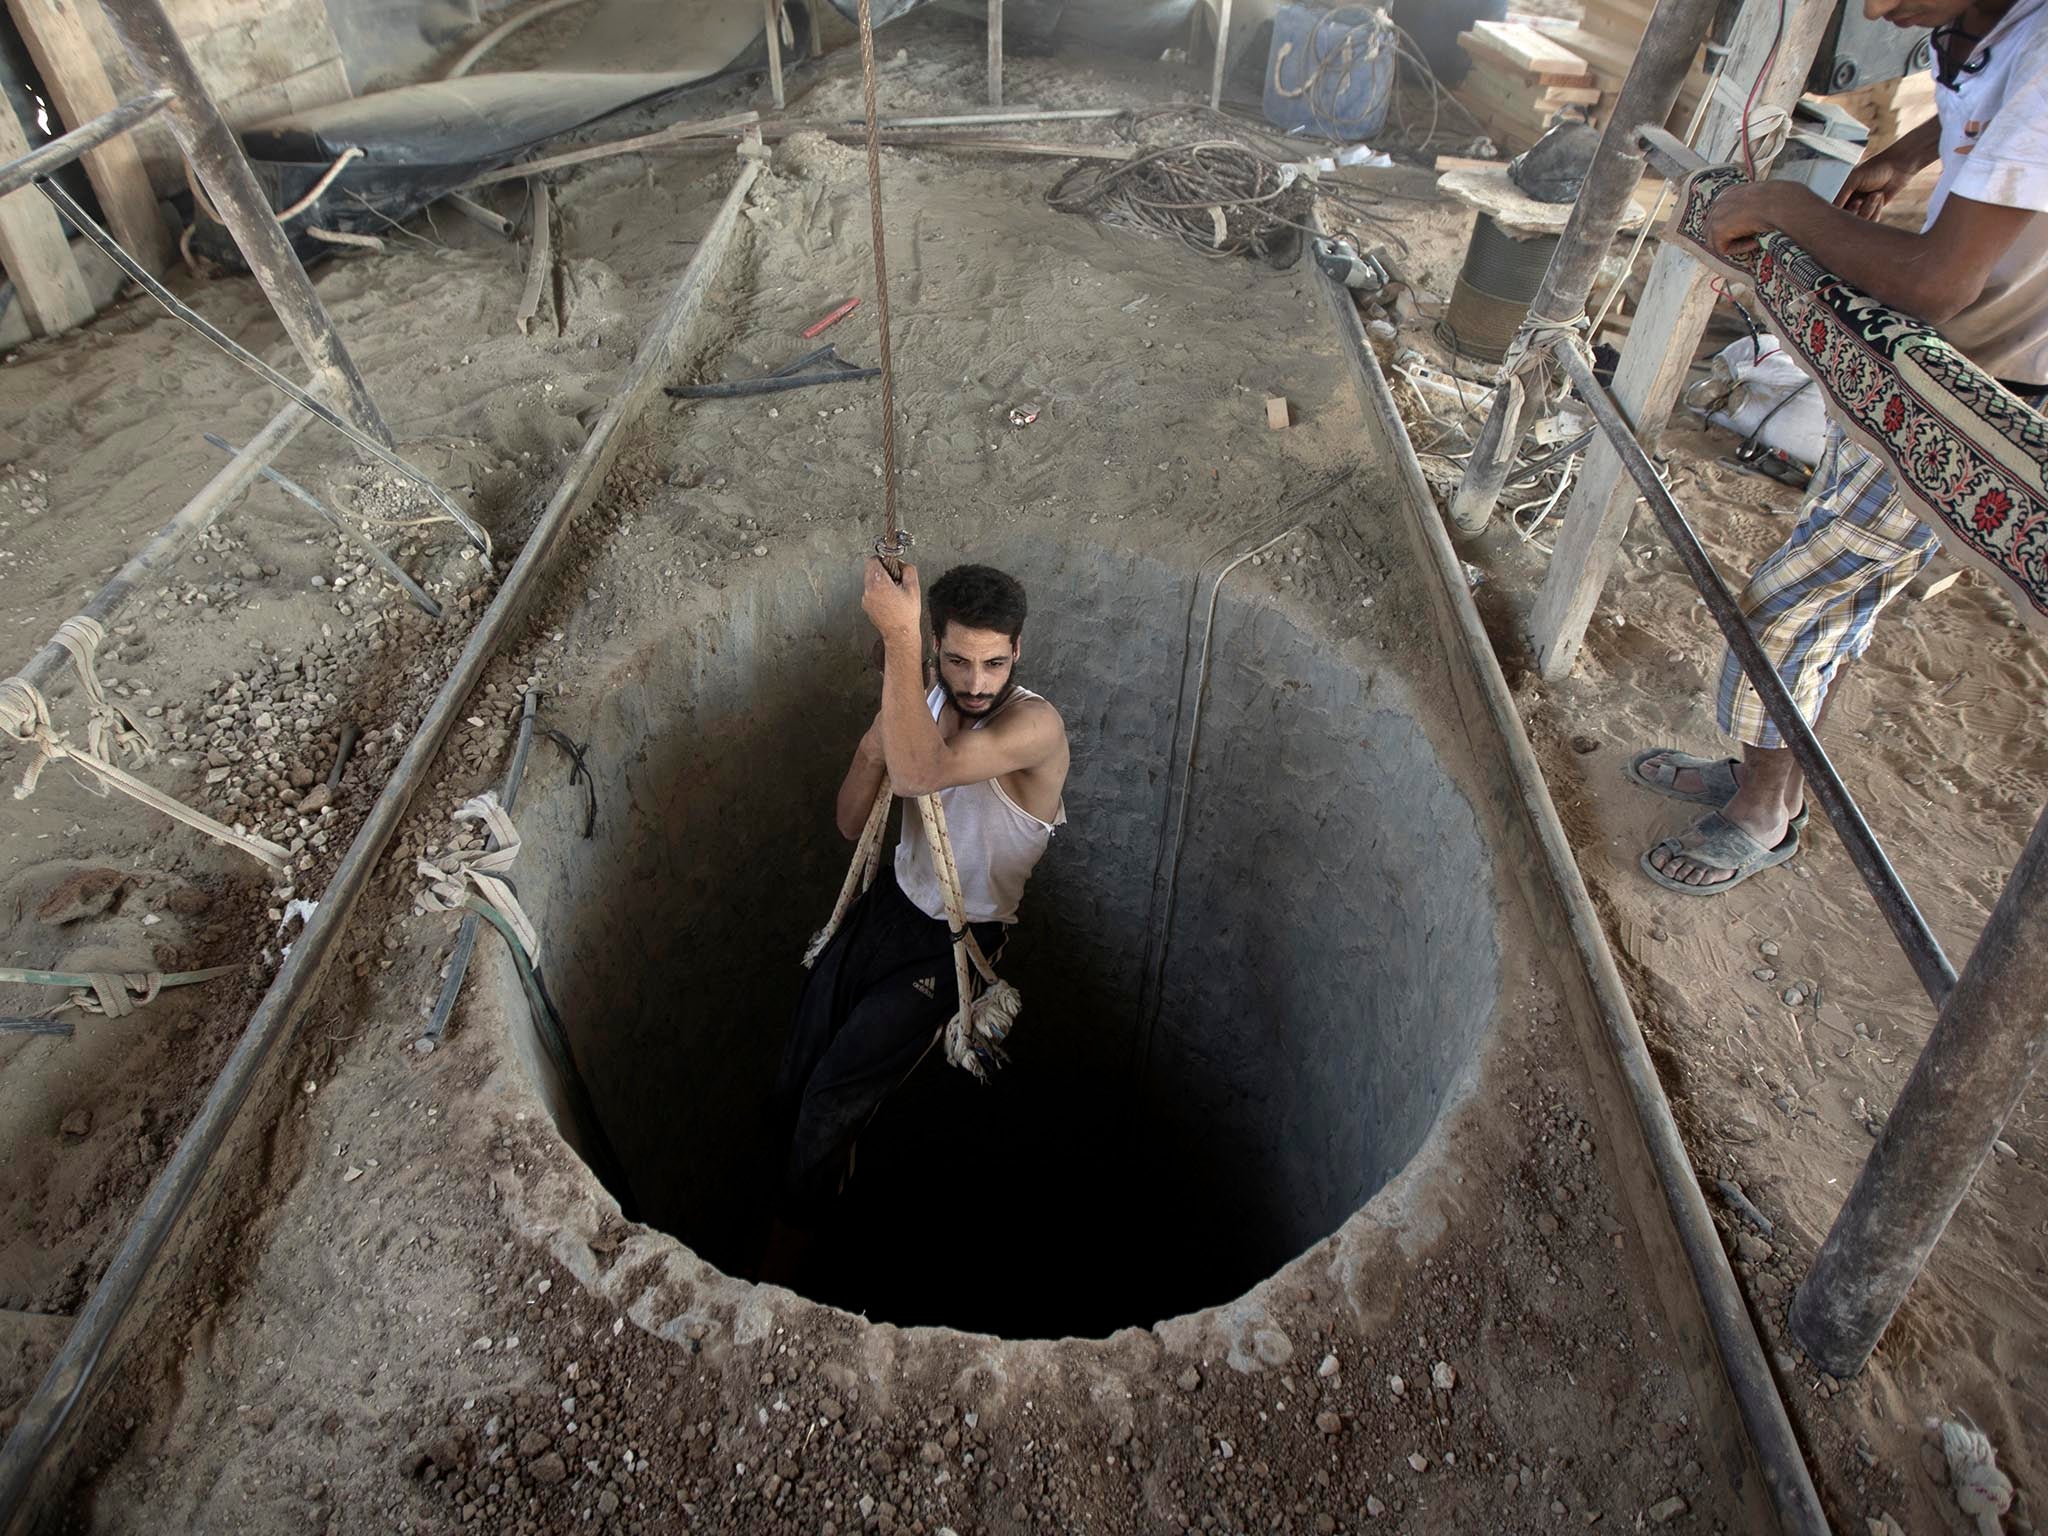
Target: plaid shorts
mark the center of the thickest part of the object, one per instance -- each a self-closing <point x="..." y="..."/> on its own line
<point x="1814" y="604"/>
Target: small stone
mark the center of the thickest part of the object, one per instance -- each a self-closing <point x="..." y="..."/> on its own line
<point x="1188" y="1380"/>
<point x="1768" y="949"/>
<point x="302" y="777"/>
<point x="1753" y="1248"/>
<point x="1442" y="1377"/>
<point x="1374" y="1505"/>
<point x="1764" y="973"/>
<point x="1328" y="1367"/>
<point x="318" y="798"/>
<point x="533" y="1443"/>
<point x="1667" y="1509"/>
<point x="831" y="1410"/>
<point x="2005" y="1149"/>
<point x="1396" y="1385"/>
<point x="78" y="1124"/>
<point x="1329" y="1423"/>
<point x="249" y="570"/>
<point x="1546" y="1224"/>
<point x="932" y="1452"/>
<point x="1418" y="1461"/>
<point x="1584" y="744"/>
<point x="549" y="1469"/>
<point x="1792" y="997"/>
<point x="607" y="1503"/>
<point x="760" y="549"/>
<point x="1326" y="1524"/>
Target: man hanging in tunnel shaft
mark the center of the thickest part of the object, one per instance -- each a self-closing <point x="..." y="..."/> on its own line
<point x="995" y="753"/>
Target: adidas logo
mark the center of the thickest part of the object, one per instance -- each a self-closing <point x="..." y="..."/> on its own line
<point x="928" y="985"/>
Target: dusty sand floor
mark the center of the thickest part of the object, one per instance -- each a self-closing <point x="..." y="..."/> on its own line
<point x="326" y="1371"/>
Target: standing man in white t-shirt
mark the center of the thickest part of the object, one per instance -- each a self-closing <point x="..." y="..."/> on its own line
<point x="1978" y="272"/>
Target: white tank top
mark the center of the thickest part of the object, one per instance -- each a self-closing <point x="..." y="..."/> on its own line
<point x="996" y="842"/>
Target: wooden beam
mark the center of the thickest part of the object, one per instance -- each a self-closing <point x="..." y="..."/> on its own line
<point x="995" y="53"/>
<point x="76" y="78"/>
<point x="1663" y="334"/>
<point x="33" y="249"/>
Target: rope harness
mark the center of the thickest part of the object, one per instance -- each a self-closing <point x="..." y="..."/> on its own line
<point x="25" y="717"/>
<point x="975" y="1033"/>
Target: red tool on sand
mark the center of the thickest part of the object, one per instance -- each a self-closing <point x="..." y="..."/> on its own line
<point x="835" y="317"/>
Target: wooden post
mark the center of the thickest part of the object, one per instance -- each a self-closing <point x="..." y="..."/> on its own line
<point x="1662" y="335"/>
<point x="223" y="170"/>
<point x="995" y="53"/>
<point x="775" y="52"/>
<point x="34" y="251"/>
<point x="1677" y="28"/>
<point x="1222" y="53"/>
<point x="70" y="64"/>
<point x="1989" y="1039"/>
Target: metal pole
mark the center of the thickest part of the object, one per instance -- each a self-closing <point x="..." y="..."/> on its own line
<point x="465" y="937"/>
<point x="61" y="151"/>
<point x="774" y="13"/>
<point x="1222" y="54"/>
<point x="1969" y="1078"/>
<point x="169" y="541"/>
<point x="217" y="159"/>
<point x="89" y="1353"/>
<point x="1923" y="950"/>
<point x="1676" y="31"/>
<point x="1786" y="1478"/>
<point x="995" y="53"/>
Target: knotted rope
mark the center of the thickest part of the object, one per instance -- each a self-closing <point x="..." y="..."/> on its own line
<point x="450" y="881"/>
<point x="108" y="992"/>
<point x="25" y="717"/>
<point x="975" y="1033"/>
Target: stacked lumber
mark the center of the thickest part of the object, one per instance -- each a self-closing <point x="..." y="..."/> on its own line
<point x="1607" y="37"/>
<point x="1519" y="81"/>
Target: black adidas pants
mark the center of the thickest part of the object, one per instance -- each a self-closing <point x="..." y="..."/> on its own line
<point x="873" y="1004"/>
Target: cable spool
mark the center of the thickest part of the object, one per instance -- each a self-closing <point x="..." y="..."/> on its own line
<point x="1491" y="296"/>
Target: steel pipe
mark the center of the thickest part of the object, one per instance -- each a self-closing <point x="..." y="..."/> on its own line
<point x="1741" y="1355"/>
<point x="1909" y="927"/>
<point x="61" y="151"/>
<point x="33" y="1449"/>
<point x="169" y="541"/>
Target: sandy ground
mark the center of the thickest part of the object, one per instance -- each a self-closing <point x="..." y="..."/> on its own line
<point x="329" y="1373"/>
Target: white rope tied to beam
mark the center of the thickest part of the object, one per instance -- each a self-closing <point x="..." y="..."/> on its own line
<point x="450" y="881"/>
<point x="25" y="717"/>
<point x="975" y="1034"/>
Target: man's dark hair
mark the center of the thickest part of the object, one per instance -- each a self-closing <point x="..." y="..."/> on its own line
<point x="977" y="597"/>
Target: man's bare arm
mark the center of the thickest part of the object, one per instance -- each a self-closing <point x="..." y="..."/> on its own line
<point x="1934" y="275"/>
<point x="863" y="779"/>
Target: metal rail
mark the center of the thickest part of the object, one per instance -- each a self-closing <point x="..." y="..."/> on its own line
<point x="1990" y="1036"/>
<point x="1787" y="1481"/>
<point x="61" y="151"/>
<point x="1909" y="927"/>
<point x="31" y="1459"/>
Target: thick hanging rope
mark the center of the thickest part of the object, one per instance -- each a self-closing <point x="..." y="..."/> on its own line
<point x="867" y="87"/>
<point x="25" y="717"/>
<point x="974" y="1035"/>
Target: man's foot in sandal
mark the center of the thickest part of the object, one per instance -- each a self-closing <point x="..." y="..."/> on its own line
<point x="1679" y="775"/>
<point x="1715" y="854"/>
